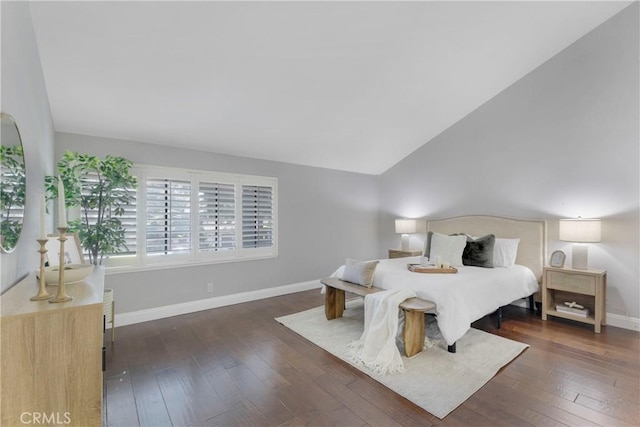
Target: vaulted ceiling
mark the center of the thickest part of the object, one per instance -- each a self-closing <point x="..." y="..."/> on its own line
<point x="354" y="86"/>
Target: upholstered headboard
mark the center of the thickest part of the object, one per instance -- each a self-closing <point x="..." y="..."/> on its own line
<point x="532" y="250"/>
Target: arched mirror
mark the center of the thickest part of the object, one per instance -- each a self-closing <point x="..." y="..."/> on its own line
<point x="12" y="184"/>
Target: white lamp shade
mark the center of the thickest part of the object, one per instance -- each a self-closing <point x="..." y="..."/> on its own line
<point x="580" y="230"/>
<point x="410" y="226"/>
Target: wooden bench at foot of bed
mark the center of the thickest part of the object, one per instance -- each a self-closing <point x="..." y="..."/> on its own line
<point x="414" y="309"/>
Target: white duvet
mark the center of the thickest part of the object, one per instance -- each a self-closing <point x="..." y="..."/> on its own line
<point x="460" y="298"/>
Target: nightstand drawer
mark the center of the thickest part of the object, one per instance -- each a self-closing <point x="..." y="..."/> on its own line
<point x="582" y="284"/>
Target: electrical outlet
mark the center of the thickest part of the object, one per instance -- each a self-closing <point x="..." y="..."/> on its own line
<point x="210" y="287"/>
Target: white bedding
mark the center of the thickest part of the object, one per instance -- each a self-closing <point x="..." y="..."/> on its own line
<point x="460" y="298"/>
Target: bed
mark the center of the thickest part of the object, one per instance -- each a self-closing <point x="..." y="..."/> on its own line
<point x="473" y="292"/>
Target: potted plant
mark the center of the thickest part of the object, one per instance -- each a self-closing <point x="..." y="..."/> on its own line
<point x="12" y="195"/>
<point x="101" y="188"/>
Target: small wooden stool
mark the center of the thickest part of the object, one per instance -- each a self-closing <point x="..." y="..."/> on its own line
<point x="413" y="331"/>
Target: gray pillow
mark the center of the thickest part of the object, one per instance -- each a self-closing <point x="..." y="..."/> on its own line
<point x="427" y="245"/>
<point x="359" y="272"/>
<point x="479" y="252"/>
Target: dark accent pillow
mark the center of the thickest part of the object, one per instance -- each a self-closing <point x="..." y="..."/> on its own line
<point x="479" y="252"/>
<point x="427" y="245"/>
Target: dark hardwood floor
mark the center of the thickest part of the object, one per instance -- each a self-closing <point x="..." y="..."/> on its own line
<point x="236" y="366"/>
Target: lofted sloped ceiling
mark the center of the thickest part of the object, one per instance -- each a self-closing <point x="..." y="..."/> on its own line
<point x="354" y="86"/>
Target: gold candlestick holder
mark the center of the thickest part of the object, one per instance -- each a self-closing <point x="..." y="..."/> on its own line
<point x="61" y="296"/>
<point x="42" y="289"/>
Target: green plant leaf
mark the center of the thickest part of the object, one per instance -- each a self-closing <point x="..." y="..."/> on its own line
<point x="96" y="185"/>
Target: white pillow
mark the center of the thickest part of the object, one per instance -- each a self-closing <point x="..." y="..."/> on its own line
<point x="448" y="248"/>
<point x="359" y="272"/>
<point x="505" y="252"/>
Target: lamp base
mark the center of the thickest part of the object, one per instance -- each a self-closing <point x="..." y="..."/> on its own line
<point x="579" y="257"/>
<point x="404" y="242"/>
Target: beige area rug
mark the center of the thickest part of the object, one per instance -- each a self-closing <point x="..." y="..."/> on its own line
<point x="435" y="380"/>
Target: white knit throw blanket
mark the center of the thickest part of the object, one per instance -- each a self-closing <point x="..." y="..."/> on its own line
<point x="376" y="349"/>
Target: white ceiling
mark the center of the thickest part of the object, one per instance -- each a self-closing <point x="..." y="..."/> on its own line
<point x="354" y="86"/>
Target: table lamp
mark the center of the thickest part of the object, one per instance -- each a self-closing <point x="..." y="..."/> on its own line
<point x="580" y="231"/>
<point x="409" y="226"/>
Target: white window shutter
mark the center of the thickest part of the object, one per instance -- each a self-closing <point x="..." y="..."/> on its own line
<point x="257" y="216"/>
<point x="168" y="216"/>
<point x="217" y="217"/>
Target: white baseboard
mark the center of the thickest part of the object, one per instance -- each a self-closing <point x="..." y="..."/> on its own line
<point x="524" y="303"/>
<point x="624" y="322"/>
<point x="206" y="304"/>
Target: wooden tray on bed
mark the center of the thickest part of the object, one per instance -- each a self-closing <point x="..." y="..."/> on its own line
<point x="417" y="269"/>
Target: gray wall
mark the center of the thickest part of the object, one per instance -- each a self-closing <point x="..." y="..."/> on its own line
<point x="324" y="216"/>
<point x="561" y="142"/>
<point x="24" y="96"/>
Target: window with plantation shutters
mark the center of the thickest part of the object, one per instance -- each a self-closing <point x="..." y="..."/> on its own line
<point x="257" y="216"/>
<point x="187" y="216"/>
<point x="217" y="217"/>
<point x="168" y="218"/>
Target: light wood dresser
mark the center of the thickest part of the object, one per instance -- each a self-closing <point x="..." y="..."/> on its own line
<point x="52" y="355"/>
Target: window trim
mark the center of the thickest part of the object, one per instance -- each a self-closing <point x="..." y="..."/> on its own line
<point x="141" y="261"/>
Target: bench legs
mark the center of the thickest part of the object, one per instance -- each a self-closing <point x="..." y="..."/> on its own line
<point x="334" y="303"/>
<point x="413" y="332"/>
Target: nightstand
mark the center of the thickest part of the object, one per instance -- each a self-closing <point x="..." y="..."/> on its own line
<point x="586" y="287"/>
<point x="399" y="253"/>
